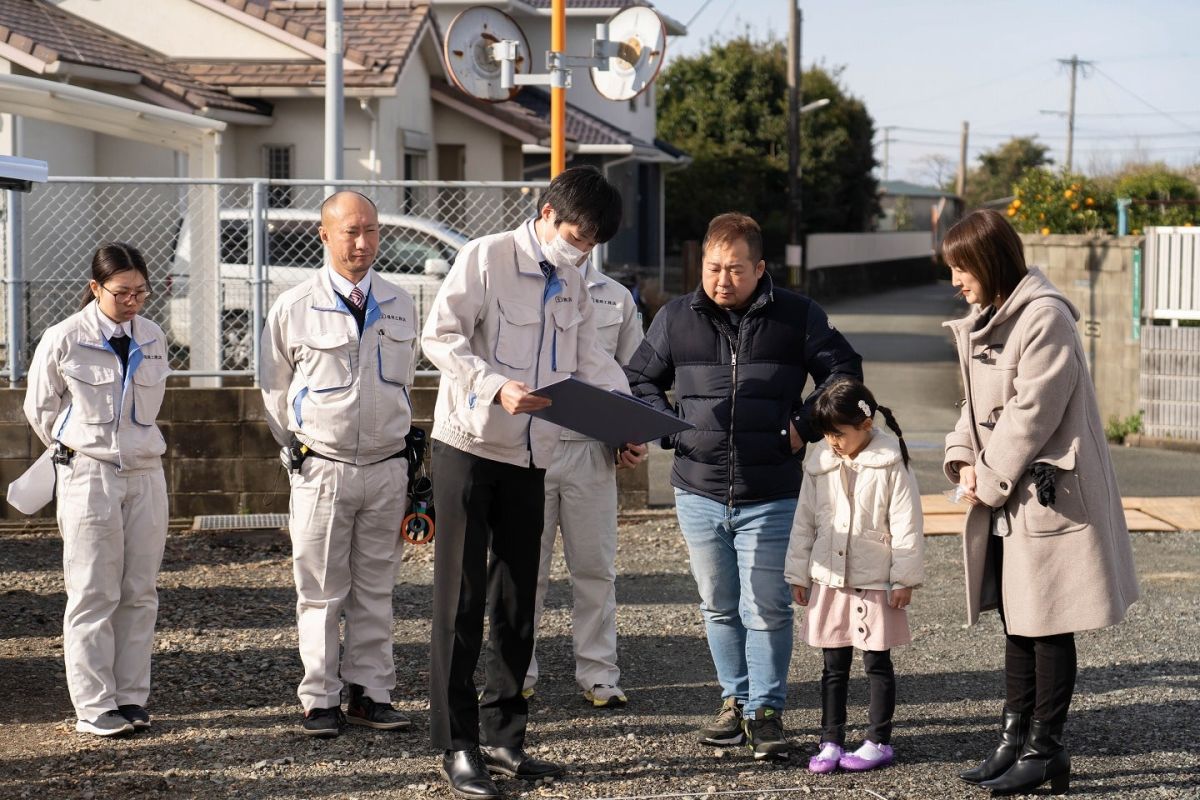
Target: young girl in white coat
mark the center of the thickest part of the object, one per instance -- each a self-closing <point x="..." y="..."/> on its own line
<point x="856" y="554"/>
<point x="96" y="383"/>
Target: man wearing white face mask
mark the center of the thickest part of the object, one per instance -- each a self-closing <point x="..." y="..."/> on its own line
<point x="512" y="314"/>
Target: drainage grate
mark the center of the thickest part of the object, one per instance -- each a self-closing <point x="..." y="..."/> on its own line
<point x="239" y="522"/>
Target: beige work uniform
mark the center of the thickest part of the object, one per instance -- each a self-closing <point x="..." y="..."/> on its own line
<point x="483" y="331"/>
<point x="345" y="396"/>
<point x="581" y="499"/>
<point x="112" y="499"/>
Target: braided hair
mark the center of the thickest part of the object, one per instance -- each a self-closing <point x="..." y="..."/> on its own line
<point x="846" y="401"/>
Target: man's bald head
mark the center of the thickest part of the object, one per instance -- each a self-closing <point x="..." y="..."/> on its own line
<point x="350" y="229"/>
<point x="339" y="202"/>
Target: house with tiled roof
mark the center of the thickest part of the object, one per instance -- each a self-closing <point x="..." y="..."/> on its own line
<point x="254" y="70"/>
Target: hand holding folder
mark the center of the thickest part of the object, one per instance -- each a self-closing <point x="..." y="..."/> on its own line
<point x="610" y="417"/>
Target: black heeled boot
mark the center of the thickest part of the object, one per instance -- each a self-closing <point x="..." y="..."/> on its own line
<point x="1014" y="728"/>
<point x="1042" y="759"/>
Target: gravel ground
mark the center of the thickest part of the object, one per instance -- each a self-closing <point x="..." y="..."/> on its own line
<point x="226" y="717"/>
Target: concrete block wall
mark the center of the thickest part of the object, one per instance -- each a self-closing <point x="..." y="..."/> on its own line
<point x="221" y="458"/>
<point x="1095" y="272"/>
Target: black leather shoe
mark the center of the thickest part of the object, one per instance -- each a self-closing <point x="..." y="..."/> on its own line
<point x="1043" y="759"/>
<point x="1014" y="728"/>
<point x="513" y="762"/>
<point x="468" y="775"/>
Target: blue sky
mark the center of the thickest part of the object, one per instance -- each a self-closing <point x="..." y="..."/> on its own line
<point x="925" y="66"/>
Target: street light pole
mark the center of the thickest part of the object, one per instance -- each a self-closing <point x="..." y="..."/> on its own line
<point x="794" y="254"/>
<point x="334" y="92"/>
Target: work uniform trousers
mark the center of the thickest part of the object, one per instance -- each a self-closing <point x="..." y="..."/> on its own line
<point x="489" y="530"/>
<point x="581" y="499"/>
<point x="345" y="527"/>
<point x="114" y="527"/>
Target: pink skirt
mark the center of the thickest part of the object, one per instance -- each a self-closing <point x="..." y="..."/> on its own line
<point x="860" y="618"/>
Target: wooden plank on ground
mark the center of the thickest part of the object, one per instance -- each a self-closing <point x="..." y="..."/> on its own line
<point x="1141" y="514"/>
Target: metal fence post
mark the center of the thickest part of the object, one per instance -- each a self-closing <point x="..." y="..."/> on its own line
<point x="16" y="287"/>
<point x="258" y="241"/>
<point x="1137" y="294"/>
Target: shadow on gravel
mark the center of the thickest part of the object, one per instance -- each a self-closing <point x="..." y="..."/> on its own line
<point x="1163" y="780"/>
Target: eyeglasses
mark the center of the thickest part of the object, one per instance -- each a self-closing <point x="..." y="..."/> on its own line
<point x="122" y="297"/>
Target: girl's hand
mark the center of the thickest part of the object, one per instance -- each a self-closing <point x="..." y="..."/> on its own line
<point x="800" y="595"/>
<point x="901" y="597"/>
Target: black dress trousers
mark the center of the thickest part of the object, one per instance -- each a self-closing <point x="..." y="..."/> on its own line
<point x="484" y="508"/>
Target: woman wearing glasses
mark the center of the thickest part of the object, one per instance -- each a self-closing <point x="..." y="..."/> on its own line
<point x="95" y="387"/>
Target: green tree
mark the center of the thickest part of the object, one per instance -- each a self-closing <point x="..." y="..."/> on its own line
<point x="1167" y="197"/>
<point x="728" y="109"/>
<point x="1000" y="168"/>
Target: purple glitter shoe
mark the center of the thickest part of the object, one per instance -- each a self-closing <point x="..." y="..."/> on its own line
<point x="826" y="761"/>
<point x="869" y="756"/>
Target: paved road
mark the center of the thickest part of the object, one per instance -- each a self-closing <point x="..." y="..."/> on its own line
<point x="910" y="365"/>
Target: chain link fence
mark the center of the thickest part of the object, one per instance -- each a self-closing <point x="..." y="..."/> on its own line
<point x="222" y="251"/>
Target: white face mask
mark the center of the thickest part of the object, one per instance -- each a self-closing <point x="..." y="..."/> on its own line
<point x="562" y="253"/>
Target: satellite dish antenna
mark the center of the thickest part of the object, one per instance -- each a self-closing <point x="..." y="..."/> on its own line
<point x="470" y="57"/>
<point x="640" y="41"/>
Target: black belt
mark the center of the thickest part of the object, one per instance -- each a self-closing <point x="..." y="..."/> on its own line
<point x="306" y="451"/>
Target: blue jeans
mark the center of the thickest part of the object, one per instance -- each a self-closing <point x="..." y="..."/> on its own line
<point x="737" y="560"/>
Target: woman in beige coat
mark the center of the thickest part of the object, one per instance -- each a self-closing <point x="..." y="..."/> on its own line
<point x="1045" y="540"/>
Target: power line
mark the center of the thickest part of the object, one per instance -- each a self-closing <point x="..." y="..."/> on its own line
<point x="1097" y="135"/>
<point x="698" y="13"/>
<point x="1145" y="102"/>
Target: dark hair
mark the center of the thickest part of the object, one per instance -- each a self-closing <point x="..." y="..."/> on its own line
<point x="112" y="258"/>
<point x="582" y="196"/>
<point x="838" y="404"/>
<point x="983" y="244"/>
<point x="728" y="228"/>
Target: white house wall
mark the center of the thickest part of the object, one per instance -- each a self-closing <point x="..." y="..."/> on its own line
<point x="412" y="110"/>
<point x="485" y="151"/>
<point x="123" y="158"/>
<point x="180" y="29"/>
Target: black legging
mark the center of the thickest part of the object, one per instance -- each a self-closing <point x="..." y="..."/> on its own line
<point x="1039" y="671"/>
<point x="835" y="679"/>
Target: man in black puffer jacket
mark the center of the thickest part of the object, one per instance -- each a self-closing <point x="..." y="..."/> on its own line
<point x="738" y="352"/>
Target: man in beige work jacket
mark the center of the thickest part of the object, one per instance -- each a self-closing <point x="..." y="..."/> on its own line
<point x="512" y="315"/>
<point x="581" y="499"/>
<point x="338" y="356"/>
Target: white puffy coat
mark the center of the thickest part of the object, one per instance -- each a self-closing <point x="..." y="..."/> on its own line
<point x="872" y="538"/>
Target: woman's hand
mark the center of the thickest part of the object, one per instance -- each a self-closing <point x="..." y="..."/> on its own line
<point x="901" y="597"/>
<point x="966" y="479"/>
<point x="800" y="595"/>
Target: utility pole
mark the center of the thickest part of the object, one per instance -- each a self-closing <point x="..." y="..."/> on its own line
<point x="960" y="184"/>
<point x="795" y="250"/>
<point x="887" y="140"/>
<point x="334" y="92"/>
<point x="1075" y="64"/>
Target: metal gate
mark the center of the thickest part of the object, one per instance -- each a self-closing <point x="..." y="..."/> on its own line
<point x="1169" y="385"/>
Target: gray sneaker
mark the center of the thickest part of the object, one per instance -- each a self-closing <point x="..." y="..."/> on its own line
<point x="726" y="728"/>
<point x="110" y="723"/>
<point x="137" y="716"/>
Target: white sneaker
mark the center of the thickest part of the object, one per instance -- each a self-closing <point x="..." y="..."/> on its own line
<point x="604" y="695"/>
<point x="110" y="723"/>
